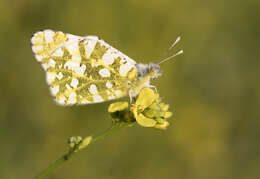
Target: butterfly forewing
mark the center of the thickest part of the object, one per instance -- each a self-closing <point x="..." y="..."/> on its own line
<point x="81" y="70"/>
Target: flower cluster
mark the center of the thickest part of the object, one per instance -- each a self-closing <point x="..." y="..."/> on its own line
<point x="147" y="110"/>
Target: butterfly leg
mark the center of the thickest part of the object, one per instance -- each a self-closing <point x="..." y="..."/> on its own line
<point x="153" y="87"/>
<point x="130" y="92"/>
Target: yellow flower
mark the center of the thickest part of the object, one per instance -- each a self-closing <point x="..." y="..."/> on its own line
<point x="147" y="110"/>
<point x="145" y="99"/>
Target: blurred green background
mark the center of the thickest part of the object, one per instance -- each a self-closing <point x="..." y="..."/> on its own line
<point x="213" y="89"/>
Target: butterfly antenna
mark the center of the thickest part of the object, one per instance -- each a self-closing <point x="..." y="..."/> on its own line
<point x="168" y="50"/>
<point x="170" y="57"/>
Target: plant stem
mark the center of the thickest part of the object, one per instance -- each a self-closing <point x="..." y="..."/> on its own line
<point x="67" y="156"/>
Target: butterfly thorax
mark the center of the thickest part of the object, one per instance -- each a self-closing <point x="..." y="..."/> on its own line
<point x="152" y="70"/>
<point x="145" y="72"/>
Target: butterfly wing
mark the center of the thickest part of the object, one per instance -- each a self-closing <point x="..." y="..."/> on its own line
<point x="82" y="70"/>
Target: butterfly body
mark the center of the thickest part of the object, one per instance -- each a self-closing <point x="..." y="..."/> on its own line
<point x="82" y="70"/>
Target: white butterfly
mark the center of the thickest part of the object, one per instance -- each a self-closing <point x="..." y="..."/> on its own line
<point x="82" y="70"/>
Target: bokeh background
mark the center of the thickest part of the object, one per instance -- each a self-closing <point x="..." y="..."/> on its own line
<point x="213" y="89"/>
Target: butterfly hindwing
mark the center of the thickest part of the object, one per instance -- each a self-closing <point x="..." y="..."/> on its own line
<point x="81" y="70"/>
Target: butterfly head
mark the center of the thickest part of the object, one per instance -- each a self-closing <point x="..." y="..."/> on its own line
<point x="152" y="70"/>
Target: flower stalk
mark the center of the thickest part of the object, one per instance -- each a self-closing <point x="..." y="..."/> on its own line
<point x="78" y="143"/>
<point x="147" y="110"/>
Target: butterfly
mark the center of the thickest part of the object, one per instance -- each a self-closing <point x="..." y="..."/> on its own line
<point x="83" y="70"/>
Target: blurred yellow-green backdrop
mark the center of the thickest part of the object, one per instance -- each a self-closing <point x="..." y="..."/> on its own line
<point x="213" y="89"/>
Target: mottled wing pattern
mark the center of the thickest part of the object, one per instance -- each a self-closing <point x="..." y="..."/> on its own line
<point x="81" y="70"/>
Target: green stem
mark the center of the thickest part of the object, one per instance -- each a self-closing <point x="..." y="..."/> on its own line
<point x="67" y="156"/>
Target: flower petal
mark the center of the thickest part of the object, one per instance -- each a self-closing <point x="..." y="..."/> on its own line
<point x="164" y="107"/>
<point x="144" y="121"/>
<point x="162" y="126"/>
<point x="146" y="98"/>
<point x="167" y="114"/>
<point x="118" y="106"/>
